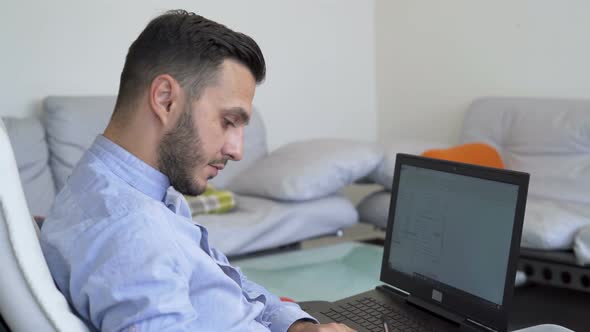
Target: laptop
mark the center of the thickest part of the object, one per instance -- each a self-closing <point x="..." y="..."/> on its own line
<point x="450" y="252"/>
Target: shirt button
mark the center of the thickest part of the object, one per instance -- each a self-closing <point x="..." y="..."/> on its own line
<point x="132" y="329"/>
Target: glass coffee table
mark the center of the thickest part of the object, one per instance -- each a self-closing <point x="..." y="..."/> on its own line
<point x="327" y="273"/>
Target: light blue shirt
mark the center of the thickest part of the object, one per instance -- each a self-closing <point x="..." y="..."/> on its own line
<point x="122" y="248"/>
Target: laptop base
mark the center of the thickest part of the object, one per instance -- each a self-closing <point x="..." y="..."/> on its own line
<point x="388" y="296"/>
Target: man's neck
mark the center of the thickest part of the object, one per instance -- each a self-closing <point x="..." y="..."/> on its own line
<point x="138" y="141"/>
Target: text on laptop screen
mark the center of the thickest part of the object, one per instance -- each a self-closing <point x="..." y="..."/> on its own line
<point x="453" y="229"/>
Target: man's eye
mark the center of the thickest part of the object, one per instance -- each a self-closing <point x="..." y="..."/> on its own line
<point x="228" y="123"/>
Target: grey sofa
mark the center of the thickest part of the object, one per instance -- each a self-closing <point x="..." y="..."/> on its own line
<point x="47" y="146"/>
<point x="546" y="137"/>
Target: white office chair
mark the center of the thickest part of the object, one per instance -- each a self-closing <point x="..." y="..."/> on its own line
<point x="29" y="299"/>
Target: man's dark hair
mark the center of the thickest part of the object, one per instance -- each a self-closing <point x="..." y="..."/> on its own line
<point x="188" y="47"/>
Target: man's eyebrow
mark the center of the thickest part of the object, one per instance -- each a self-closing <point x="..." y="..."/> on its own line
<point x="238" y="112"/>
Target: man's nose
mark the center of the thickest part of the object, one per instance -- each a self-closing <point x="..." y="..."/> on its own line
<point x="234" y="145"/>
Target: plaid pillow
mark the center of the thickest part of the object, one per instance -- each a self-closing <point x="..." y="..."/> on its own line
<point x="211" y="201"/>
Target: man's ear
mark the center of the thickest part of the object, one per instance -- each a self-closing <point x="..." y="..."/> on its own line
<point x="165" y="98"/>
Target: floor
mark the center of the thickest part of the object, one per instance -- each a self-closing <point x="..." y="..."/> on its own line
<point x="532" y="305"/>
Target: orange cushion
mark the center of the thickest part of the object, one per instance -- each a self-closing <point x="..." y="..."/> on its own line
<point x="470" y="153"/>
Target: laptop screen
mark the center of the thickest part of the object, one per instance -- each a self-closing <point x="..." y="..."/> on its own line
<point x="453" y="230"/>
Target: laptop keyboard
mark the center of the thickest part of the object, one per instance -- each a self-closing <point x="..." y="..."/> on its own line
<point x="369" y="313"/>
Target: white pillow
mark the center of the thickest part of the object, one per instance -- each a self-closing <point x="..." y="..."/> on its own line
<point x="551" y="224"/>
<point x="520" y="279"/>
<point x="308" y="169"/>
<point x="374" y="208"/>
<point x="582" y="245"/>
<point x="383" y="174"/>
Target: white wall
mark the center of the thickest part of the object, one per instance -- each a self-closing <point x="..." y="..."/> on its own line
<point x="432" y="57"/>
<point x="435" y="57"/>
<point x="320" y="57"/>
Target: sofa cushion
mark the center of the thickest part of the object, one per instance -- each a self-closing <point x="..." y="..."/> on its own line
<point x="211" y="201"/>
<point x="72" y="123"/>
<point x="548" y="138"/>
<point x="307" y="170"/>
<point x="27" y="138"/>
<point x="552" y="224"/>
<point x="472" y="153"/>
<point x="374" y="208"/>
<point x="258" y="224"/>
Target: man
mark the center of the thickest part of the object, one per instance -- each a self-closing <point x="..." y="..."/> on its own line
<point x="119" y="240"/>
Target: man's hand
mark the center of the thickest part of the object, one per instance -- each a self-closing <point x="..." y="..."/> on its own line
<point x="305" y="326"/>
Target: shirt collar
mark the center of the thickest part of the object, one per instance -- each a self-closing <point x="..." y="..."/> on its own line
<point x="131" y="169"/>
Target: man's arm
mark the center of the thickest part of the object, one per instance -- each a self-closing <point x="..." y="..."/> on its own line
<point x="279" y="315"/>
<point x="282" y="316"/>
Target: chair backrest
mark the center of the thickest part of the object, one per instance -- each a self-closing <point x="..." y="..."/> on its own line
<point x="546" y="137"/>
<point x="29" y="299"/>
<point x="27" y="137"/>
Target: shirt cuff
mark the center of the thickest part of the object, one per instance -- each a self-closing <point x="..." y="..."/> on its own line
<point x="288" y="314"/>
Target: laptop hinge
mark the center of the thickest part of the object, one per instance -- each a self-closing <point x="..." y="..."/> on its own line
<point x="435" y="309"/>
<point x="471" y="321"/>
<point x="465" y="323"/>
<point x="392" y="289"/>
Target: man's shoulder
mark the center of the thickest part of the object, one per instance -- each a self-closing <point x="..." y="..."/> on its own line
<point x="95" y="197"/>
<point x="100" y="213"/>
<point x="125" y="233"/>
<point x="100" y="193"/>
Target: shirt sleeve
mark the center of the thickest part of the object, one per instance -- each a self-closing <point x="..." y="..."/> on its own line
<point x="131" y="280"/>
<point x="281" y="315"/>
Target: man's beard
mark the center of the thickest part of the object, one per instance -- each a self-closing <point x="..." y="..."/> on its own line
<point x="180" y="153"/>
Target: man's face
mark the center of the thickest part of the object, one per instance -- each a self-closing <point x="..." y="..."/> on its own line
<point x="209" y="132"/>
